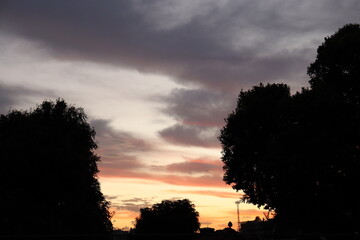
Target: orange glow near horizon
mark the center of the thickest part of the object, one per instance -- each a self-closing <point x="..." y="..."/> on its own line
<point x="216" y="205"/>
<point x="209" y="216"/>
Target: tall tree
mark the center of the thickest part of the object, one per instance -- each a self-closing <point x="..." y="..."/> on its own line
<point x="300" y="154"/>
<point x="48" y="173"/>
<point x="250" y="132"/>
<point x="168" y="220"/>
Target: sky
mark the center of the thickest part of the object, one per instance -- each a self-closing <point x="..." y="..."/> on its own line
<point x="156" y="79"/>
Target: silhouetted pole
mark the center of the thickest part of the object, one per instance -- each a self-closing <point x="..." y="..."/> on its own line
<point x="238" y="215"/>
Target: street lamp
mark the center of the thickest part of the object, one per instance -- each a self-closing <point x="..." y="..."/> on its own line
<point x="238" y="215"/>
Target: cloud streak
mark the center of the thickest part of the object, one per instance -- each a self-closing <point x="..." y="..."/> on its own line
<point x="205" y="180"/>
<point x="194" y="172"/>
<point x="196" y="166"/>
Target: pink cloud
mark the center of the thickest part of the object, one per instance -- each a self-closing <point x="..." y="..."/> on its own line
<point x="192" y="172"/>
<point x="212" y="180"/>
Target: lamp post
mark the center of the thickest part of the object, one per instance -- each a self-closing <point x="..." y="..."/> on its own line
<point x="238" y="215"/>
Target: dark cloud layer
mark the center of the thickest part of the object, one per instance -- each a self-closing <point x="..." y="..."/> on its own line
<point x="217" y="44"/>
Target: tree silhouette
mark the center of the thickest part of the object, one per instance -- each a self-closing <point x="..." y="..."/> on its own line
<point x="48" y="180"/>
<point x="168" y="220"/>
<point x="250" y="131"/>
<point x="300" y="154"/>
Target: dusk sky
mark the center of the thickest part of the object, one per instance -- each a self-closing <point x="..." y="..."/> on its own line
<point x="156" y="79"/>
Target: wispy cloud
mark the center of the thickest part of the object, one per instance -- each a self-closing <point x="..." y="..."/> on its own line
<point x="196" y="166"/>
<point x="220" y="194"/>
<point x="110" y="197"/>
<point x="119" y="150"/>
<point x="133" y="204"/>
<point x="213" y="180"/>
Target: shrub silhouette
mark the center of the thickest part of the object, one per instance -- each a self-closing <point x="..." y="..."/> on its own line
<point x="168" y="220"/>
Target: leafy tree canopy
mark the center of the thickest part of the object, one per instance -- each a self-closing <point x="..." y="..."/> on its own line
<point x="168" y="218"/>
<point x="300" y="154"/>
<point x="48" y="180"/>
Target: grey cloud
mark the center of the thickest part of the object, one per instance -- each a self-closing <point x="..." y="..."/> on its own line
<point x="134" y="204"/>
<point x="117" y="140"/>
<point x="12" y="96"/>
<point x="199" y="107"/>
<point x="119" y="150"/>
<point x="224" y="45"/>
<point x="187" y="135"/>
<point x="136" y="200"/>
<point x="7" y="98"/>
<point x="199" y="112"/>
<point x="192" y="167"/>
<point x="108" y="197"/>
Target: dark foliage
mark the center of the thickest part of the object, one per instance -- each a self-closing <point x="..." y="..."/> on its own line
<point x="48" y="173"/>
<point x="168" y="220"/>
<point x="300" y="154"/>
